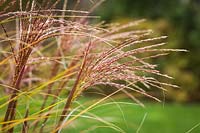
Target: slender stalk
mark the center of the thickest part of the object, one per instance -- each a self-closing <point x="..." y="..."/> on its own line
<point x="53" y="102"/>
<point x="69" y="100"/>
<point x="11" y="47"/>
<point x="73" y="63"/>
<point x="72" y="92"/>
<point x="25" y="124"/>
<point x="55" y="65"/>
<point x="11" y="109"/>
<point x="53" y="73"/>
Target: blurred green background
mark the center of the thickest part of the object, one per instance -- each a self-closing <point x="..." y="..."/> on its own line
<point x="180" y="21"/>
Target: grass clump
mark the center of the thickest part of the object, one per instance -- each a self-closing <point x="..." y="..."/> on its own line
<point x="56" y="55"/>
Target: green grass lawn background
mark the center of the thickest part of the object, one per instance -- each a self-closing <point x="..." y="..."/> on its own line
<point x="170" y="118"/>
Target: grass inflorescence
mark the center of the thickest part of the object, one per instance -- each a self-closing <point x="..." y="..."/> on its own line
<point x="56" y="55"/>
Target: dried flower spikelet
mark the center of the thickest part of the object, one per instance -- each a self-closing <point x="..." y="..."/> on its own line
<point x="107" y="68"/>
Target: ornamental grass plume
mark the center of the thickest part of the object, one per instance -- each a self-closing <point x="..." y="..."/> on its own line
<point x="74" y="52"/>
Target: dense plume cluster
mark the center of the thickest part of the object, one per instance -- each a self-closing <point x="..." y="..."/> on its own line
<point x="80" y="54"/>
